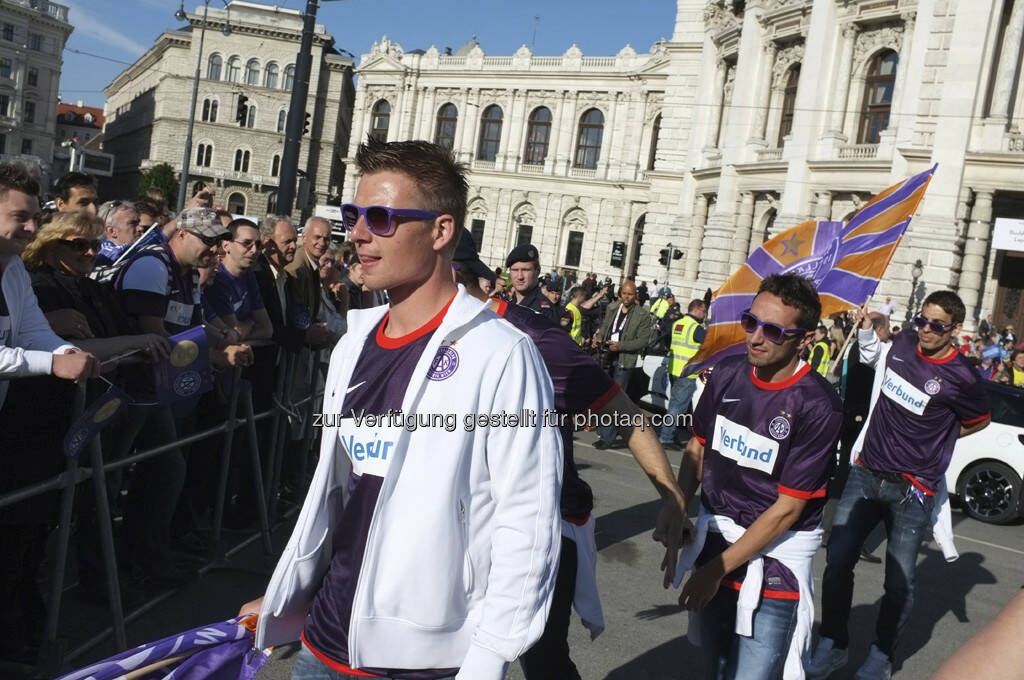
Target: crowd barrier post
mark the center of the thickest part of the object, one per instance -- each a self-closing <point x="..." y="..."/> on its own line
<point x="284" y="431"/>
<point x="216" y="547"/>
<point x="280" y="396"/>
<point x="257" y="472"/>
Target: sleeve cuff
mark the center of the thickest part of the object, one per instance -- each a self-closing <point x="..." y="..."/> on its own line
<point x="482" y="664"/>
<point x="802" y="495"/>
<point x="39" y="362"/>
<point x="975" y="421"/>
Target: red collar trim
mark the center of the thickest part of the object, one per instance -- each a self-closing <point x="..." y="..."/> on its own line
<point x="952" y="355"/>
<point x="395" y="343"/>
<point x="502" y="308"/>
<point x="780" y="385"/>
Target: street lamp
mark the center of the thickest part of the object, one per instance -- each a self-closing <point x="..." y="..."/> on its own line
<point x="180" y="15"/>
<point x="916" y="271"/>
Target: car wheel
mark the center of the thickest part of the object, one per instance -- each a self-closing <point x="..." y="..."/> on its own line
<point x="990" y="492"/>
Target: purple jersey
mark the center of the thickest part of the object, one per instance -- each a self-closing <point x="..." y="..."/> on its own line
<point x="917" y="417"/>
<point x="230" y="294"/>
<point x="580" y="385"/>
<point x="378" y="384"/>
<point x="760" y="440"/>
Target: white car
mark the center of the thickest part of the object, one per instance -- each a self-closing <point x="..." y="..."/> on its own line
<point x="987" y="467"/>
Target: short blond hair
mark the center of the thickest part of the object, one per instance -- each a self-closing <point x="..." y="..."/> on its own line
<point x="65" y="225"/>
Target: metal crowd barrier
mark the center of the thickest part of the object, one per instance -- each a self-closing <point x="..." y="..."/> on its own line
<point x="266" y="480"/>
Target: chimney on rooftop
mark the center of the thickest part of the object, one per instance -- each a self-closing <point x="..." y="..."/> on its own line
<point x="80" y="103"/>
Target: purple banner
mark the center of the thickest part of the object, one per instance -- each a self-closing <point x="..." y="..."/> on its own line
<point x="99" y="414"/>
<point x="186" y="372"/>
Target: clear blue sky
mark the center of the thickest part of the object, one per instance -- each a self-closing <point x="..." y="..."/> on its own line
<point x="115" y="33"/>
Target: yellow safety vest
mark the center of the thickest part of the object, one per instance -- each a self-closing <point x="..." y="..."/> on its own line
<point x="659" y="307"/>
<point x="576" y="331"/>
<point x="684" y="346"/>
<point x="826" y="357"/>
<point x="1018" y="377"/>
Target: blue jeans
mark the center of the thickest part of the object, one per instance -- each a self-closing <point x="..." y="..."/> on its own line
<point x="867" y="500"/>
<point x="621" y="376"/>
<point x="678" y="403"/>
<point x="308" y="667"/>
<point x="728" y="656"/>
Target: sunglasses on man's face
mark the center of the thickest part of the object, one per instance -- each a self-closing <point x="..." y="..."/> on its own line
<point x="772" y="332"/>
<point x="83" y="245"/>
<point x="210" y="241"/>
<point x="380" y="219"/>
<point x="920" y="323"/>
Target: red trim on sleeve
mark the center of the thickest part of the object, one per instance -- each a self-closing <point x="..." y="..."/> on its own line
<point x="780" y="385"/>
<point x="335" y="665"/>
<point x="394" y="343"/>
<point x="502" y="308"/>
<point x="605" y="398"/>
<point x="703" y="442"/>
<point x="952" y="355"/>
<point x="802" y="495"/>
<point x="974" y="421"/>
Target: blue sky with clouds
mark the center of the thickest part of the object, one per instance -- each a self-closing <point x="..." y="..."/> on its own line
<point x="110" y="34"/>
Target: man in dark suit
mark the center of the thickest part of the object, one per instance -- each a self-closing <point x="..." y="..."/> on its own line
<point x="305" y="268"/>
<point x="278" y="238"/>
<point x="626" y="331"/>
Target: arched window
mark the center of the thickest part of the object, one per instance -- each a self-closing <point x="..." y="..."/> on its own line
<point x="655" y="133"/>
<point x="490" y="133"/>
<point x="538" y="134"/>
<point x="272" y="202"/>
<point x="214" y="66"/>
<point x="588" y="145"/>
<point x="213" y="111"/>
<point x="252" y="72"/>
<point x="381" y="120"/>
<point x="275" y="165"/>
<point x="788" y="103"/>
<point x="289" y="77"/>
<point x="282" y="117"/>
<point x="878" y="91"/>
<point x="204" y="155"/>
<point x="236" y="204"/>
<point x="271" y="75"/>
<point x="234" y="69"/>
<point x="206" y="110"/>
<point x="250" y="118"/>
<point x="241" y="161"/>
<point x="447" y="119"/>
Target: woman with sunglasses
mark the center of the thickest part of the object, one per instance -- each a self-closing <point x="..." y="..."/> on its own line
<point x="933" y="396"/>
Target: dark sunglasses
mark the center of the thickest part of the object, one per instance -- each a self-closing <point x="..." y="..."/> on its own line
<point x="210" y="241"/>
<point x="934" y="326"/>
<point x="379" y="218"/>
<point x="772" y="332"/>
<point x="83" y="245"/>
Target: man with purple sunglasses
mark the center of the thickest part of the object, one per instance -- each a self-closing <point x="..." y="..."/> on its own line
<point x="933" y="396"/>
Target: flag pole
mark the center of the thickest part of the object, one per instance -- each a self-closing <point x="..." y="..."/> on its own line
<point x="864" y="308"/>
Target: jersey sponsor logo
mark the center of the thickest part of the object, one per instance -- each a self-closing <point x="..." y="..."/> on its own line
<point x="370" y="449"/>
<point x="899" y="389"/>
<point x="445" y="362"/>
<point x="748" y="449"/>
<point x="779" y="427"/>
<point x="932" y="387"/>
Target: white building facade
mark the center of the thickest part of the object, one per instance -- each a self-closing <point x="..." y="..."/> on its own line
<point x="761" y="114"/>
<point x="32" y="37"/>
<point x="148" y="106"/>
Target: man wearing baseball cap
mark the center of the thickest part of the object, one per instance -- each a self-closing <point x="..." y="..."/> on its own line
<point x="524" y="270"/>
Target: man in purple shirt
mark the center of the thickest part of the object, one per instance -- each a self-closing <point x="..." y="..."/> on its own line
<point x="235" y="293"/>
<point x="765" y="432"/>
<point x="925" y="396"/>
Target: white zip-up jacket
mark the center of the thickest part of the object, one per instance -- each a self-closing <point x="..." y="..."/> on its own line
<point x="27" y="343"/>
<point x="462" y="550"/>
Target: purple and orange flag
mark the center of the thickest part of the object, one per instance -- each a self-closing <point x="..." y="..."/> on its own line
<point x="845" y="262"/>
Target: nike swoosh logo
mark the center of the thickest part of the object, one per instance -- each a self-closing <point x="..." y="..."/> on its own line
<point x="726" y="400"/>
<point x="897" y="359"/>
<point x="355" y="387"/>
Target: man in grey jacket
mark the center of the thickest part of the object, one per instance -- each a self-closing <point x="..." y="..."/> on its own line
<point x="625" y="333"/>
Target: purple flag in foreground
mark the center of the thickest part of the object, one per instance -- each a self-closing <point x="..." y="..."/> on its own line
<point x="93" y="420"/>
<point x="220" y="651"/>
<point x="186" y="372"/>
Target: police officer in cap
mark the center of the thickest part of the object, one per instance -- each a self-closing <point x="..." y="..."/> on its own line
<point x="524" y="270"/>
<point x="553" y="292"/>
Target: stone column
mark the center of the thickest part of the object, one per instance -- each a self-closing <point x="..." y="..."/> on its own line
<point x="463" y="143"/>
<point x="764" y="92"/>
<point x="700" y="218"/>
<point x="1006" y="72"/>
<point x="610" y="158"/>
<point x="823" y="206"/>
<point x="975" y="250"/>
<point x="836" y="123"/>
<point x="717" y="112"/>
<point x="555" y="137"/>
<point x="906" y="45"/>
<point x="741" y="237"/>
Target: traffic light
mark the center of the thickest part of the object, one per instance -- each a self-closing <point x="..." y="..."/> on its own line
<point x="664" y="257"/>
<point x="677" y="254"/>
<point x="305" y="124"/>
<point x="242" y="110"/>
